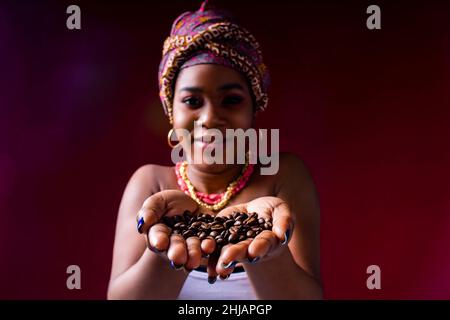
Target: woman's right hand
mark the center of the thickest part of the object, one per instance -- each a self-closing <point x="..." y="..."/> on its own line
<point x="180" y="252"/>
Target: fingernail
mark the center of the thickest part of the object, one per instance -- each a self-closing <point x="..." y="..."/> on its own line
<point x="175" y="266"/>
<point x="286" y="237"/>
<point x="140" y="224"/>
<point x="211" y="280"/>
<point x="254" y="260"/>
<point x="224" y="278"/>
<point x="154" y="249"/>
<point x="230" y="265"/>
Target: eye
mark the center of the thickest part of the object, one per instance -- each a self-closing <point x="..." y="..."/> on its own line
<point x="232" y="100"/>
<point x="192" y="102"/>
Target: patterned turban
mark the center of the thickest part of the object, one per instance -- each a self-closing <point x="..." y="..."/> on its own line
<point x="211" y="36"/>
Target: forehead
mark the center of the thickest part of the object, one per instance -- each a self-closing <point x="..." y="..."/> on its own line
<point x="208" y="75"/>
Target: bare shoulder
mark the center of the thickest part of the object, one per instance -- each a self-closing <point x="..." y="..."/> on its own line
<point x="151" y="177"/>
<point x="145" y="181"/>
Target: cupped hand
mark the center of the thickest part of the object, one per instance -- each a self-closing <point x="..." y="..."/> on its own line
<point x="181" y="253"/>
<point x="265" y="245"/>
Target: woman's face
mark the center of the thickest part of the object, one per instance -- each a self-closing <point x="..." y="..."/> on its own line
<point x="215" y="96"/>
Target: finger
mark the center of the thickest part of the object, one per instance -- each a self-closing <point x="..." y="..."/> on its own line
<point x="159" y="237"/>
<point x="208" y="246"/>
<point x="283" y="223"/>
<point x="262" y="245"/>
<point x="230" y="256"/>
<point x="277" y="210"/>
<point x="211" y="267"/>
<point x="194" y="253"/>
<point x="177" y="252"/>
<point x="150" y="213"/>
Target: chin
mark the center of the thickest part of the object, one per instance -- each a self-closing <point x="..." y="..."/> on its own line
<point x="212" y="168"/>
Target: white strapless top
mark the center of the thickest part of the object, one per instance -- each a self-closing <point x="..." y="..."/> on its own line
<point x="236" y="287"/>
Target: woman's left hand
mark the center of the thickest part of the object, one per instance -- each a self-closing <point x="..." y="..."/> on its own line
<point x="266" y="244"/>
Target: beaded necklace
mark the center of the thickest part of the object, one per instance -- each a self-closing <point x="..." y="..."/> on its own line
<point x="213" y="201"/>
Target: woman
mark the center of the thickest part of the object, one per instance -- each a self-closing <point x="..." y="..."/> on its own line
<point x="212" y="73"/>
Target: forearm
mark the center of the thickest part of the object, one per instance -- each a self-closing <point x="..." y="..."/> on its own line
<point x="281" y="278"/>
<point x="150" y="278"/>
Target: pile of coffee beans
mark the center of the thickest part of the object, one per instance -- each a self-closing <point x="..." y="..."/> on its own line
<point x="231" y="229"/>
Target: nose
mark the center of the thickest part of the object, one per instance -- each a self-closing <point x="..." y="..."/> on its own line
<point x="211" y="116"/>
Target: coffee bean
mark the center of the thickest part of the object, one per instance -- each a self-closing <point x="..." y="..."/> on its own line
<point x="179" y="225"/>
<point x="167" y="221"/>
<point x="205" y="225"/>
<point x="235" y="214"/>
<point x="197" y="224"/>
<point x="251" y="221"/>
<point x="261" y="221"/>
<point x="233" y="238"/>
<point x="192" y="220"/>
<point x="219" y="219"/>
<point x="234" y="229"/>
<point x="228" y="223"/>
<point x="250" y="234"/>
<point x="220" y="241"/>
<point x="217" y="226"/>
<point x="242" y="216"/>
<point x="202" y="235"/>
<point x="214" y="233"/>
<point x="188" y="234"/>
<point x="237" y="222"/>
<point x="244" y="228"/>
<point x="242" y="237"/>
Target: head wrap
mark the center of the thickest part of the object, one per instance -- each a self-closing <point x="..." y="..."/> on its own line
<point x="211" y="36"/>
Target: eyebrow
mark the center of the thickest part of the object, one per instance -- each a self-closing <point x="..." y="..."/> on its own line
<point x="192" y="89"/>
<point x="227" y="86"/>
<point x="230" y="86"/>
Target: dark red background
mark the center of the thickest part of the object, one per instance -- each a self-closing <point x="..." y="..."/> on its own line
<point x="368" y="111"/>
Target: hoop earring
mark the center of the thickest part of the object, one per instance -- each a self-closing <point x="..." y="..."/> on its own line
<point x="169" y="139"/>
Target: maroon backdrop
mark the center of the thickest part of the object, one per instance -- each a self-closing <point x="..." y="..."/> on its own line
<point x="368" y="111"/>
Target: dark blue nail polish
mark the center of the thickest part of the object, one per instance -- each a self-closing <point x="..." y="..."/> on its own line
<point x="211" y="280"/>
<point x="140" y="224"/>
<point x="286" y="237"/>
<point x="230" y="265"/>
<point x="205" y="255"/>
<point x="154" y="249"/>
<point x="175" y="266"/>
<point x="254" y="260"/>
